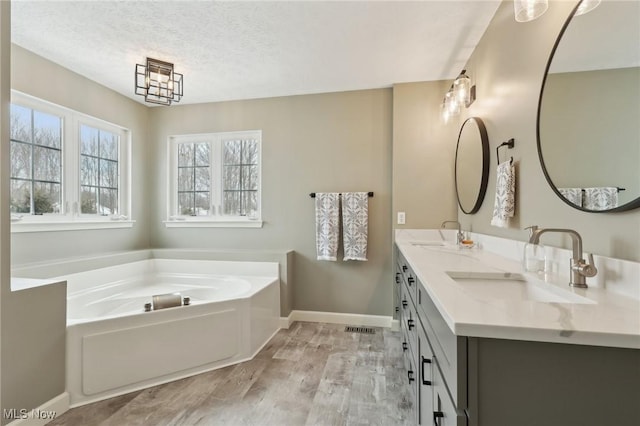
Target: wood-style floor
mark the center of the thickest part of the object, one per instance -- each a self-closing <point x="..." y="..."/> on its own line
<point x="310" y="374"/>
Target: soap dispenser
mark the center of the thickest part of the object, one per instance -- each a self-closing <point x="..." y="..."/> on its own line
<point x="534" y="254"/>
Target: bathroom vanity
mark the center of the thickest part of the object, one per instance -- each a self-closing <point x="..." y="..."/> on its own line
<point x="486" y="344"/>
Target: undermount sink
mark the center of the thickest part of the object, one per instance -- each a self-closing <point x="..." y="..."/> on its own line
<point x="513" y="286"/>
<point x="428" y="243"/>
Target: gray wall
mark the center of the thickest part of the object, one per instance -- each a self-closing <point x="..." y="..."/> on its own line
<point x="313" y="143"/>
<point x="423" y="156"/>
<point x="73" y="91"/>
<point x="507" y="67"/>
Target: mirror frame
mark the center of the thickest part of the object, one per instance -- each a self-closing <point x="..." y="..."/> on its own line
<point x="634" y="204"/>
<point x="484" y="140"/>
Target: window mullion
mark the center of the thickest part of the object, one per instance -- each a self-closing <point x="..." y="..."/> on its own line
<point x="32" y="187"/>
<point x="193" y="176"/>
<point x="215" y="174"/>
<point x="70" y="165"/>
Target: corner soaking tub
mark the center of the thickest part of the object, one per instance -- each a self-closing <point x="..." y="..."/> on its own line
<point x="115" y="347"/>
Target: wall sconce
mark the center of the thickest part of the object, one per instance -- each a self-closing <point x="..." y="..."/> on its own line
<point x="528" y="10"/>
<point x="450" y="106"/>
<point x="158" y="83"/>
<point x="586" y="6"/>
<point x="461" y="93"/>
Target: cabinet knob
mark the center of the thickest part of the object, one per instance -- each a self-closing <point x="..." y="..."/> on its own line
<point x="404" y="346"/>
<point x="411" y="280"/>
<point x="404" y="304"/>
<point x="425" y="361"/>
<point x="410" y="376"/>
<point x="397" y="308"/>
<point x="437" y="415"/>
<point x="410" y="324"/>
<point x="404" y="268"/>
<point x="397" y="277"/>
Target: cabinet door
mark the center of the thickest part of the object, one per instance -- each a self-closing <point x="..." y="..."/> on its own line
<point x="444" y="411"/>
<point x="425" y="380"/>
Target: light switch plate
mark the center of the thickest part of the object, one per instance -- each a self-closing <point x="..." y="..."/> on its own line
<point x="401" y="218"/>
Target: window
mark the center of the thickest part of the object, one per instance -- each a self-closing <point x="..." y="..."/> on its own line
<point x="68" y="170"/>
<point x="98" y="171"/>
<point x="194" y="179"/>
<point x="36" y="161"/>
<point x="215" y="179"/>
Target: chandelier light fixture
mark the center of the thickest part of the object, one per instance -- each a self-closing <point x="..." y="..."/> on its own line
<point x="158" y="83"/>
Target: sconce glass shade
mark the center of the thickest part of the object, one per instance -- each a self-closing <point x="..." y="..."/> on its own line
<point x="528" y="10"/>
<point x="444" y="112"/>
<point x="586" y="6"/>
<point x="158" y="83"/>
<point x="462" y="89"/>
<point x="450" y="106"/>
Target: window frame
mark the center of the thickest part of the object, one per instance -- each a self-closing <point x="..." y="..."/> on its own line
<point x="214" y="219"/>
<point x="70" y="217"/>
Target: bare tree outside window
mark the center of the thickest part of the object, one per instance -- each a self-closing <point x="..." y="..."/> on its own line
<point x="240" y="177"/>
<point x="36" y="161"/>
<point x="194" y="179"/>
<point x="98" y="171"/>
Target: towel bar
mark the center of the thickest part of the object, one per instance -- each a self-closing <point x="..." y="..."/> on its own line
<point x="313" y="194"/>
<point x="509" y="144"/>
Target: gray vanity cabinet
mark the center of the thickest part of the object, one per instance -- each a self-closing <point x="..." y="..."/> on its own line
<point x="433" y="355"/>
<point x="474" y="381"/>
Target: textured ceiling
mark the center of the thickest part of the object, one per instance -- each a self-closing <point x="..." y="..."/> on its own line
<point x="242" y="50"/>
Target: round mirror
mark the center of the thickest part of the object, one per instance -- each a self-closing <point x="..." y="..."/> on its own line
<point x="589" y="110"/>
<point x="472" y="165"/>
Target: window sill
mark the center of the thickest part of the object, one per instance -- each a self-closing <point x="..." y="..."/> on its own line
<point x="69" y="225"/>
<point x="216" y="223"/>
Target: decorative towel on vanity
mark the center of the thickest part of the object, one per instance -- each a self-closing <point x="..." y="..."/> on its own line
<point x="603" y="198"/>
<point x="505" y="203"/>
<point x="355" y="223"/>
<point x="573" y="195"/>
<point x="327" y="225"/>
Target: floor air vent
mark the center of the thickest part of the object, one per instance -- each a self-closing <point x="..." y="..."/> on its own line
<point x="363" y="330"/>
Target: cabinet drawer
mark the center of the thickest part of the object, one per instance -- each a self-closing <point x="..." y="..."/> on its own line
<point x="397" y="286"/>
<point x="444" y="410"/>
<point x="408" y="277"/>
<point x="409" y="320"/>
<point x="450" y="351"/>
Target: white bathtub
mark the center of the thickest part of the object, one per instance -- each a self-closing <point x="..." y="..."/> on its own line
<point x="114" y="347"/>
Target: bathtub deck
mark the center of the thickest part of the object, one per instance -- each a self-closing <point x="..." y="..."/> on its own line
<point x="310" y="374"/>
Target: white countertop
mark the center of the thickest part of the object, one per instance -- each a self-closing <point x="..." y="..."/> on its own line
<point x="605" y="319"/>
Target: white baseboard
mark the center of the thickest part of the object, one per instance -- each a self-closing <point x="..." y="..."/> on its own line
<point x="395" y="325"/>
<point x="338" y="318"/>
<point x="43" y="414"/>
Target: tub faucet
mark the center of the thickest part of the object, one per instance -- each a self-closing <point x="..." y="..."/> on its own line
<point x="579" y="269"/>
<point x="460" y="235"/>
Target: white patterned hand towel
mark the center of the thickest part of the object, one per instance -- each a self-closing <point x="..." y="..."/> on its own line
<point x="355" y="223"/>
<point x="603" y="198"/>
<point x="327" y="225"/>
<point x="505" y="203"/>
<point x="573" y="195"/>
